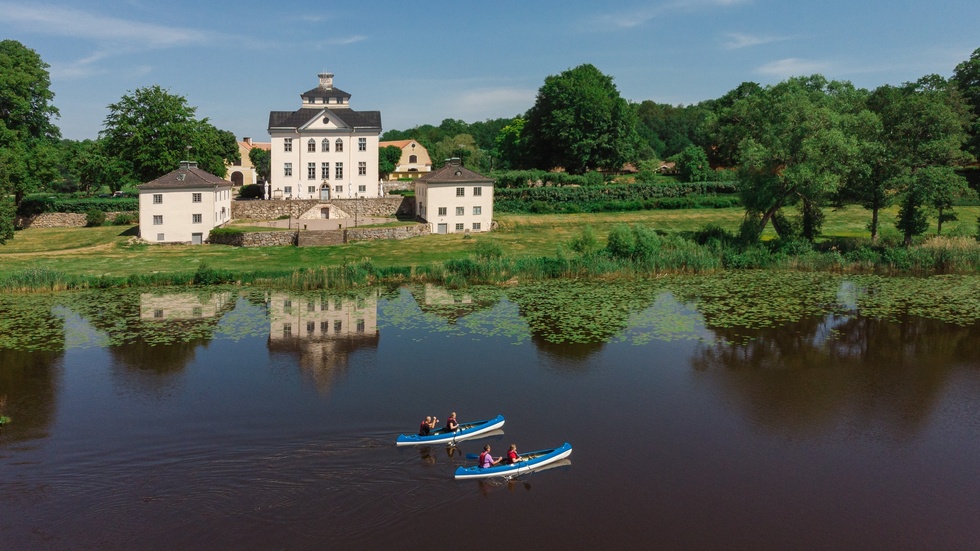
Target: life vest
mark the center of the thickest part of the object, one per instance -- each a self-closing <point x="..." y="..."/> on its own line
<point x="482" y="460"/>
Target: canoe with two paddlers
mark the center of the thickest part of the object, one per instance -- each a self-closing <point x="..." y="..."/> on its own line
<point x="445" y="436"/>
<point x="528" y="462"/>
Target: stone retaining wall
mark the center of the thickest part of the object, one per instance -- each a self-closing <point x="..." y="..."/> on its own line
<point x="256" y="239"/>
<point x="309" y="209"/>
<point x="61" y="219"/>
<point x="397" y="232"/>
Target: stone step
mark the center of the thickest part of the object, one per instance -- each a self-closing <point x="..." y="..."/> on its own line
<point x="320" y="238"/>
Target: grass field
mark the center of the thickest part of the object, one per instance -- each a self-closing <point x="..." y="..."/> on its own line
<point x="112" y="250"/>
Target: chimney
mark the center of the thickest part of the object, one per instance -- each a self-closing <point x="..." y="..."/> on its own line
<point x="326" y="81"/>
<point x="247" y="140"/>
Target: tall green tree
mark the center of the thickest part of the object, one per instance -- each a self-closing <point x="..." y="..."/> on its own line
<point x="580" y="122"/>
<point x="966" y="78"/>
<point x="153" y="130"/>
<point x="262" y="162"/>
<point x="925" y="126"/>
<point x="388" y="158"/>
<point x="509" y="148"/>
<point x="28" y="137"/>
<point x="692" y="163"/>
<point x="793" y="147"/>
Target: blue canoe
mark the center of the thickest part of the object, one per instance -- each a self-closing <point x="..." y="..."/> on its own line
<point x="442" y="436"/>
<point x="529" y="462"/>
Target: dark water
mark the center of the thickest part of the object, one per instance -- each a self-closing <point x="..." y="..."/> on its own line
<point x="273" y="427"/>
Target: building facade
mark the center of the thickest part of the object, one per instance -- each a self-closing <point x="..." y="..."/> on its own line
<point x="183" y="206"/>
<point x="454" y="199"/>
<point x="324" y="150"/>
<point x="414" y="162"/>
<point x="243" y="173"/>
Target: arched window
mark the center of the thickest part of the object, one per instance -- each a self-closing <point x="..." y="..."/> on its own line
<point x="311" y="146"/>
<point x="413" y="159"/>
<point x="338" y="145"/>
<point x="325" y="145"/>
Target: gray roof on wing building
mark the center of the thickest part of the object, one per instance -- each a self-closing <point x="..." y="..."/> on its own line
<point x="188" y="176"/>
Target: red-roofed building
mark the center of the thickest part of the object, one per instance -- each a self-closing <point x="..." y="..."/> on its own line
<point x="414" y="162"/>
<point x="243" y="173"/>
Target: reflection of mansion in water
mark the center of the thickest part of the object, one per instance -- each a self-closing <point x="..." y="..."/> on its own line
<point x="318" y="318"/>
<point x="323" y="331"/>
<point x="182" y="306"/>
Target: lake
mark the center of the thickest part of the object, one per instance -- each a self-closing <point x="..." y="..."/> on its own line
<point x="742" y="411"/>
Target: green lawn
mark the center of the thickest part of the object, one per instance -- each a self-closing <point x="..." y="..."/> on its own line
<point x="109" y="250"/>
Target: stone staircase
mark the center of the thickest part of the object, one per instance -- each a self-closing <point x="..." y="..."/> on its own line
<point x="320" y="238"/>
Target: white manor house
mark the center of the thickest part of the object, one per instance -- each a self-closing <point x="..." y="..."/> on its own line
<point x="324" y="150"/>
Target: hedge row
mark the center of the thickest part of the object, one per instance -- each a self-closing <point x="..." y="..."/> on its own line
<point x="661" y="203"/>
<point x="615" y="192"/>
<point x="528" y="178"/>
<point x="39" y="204"/>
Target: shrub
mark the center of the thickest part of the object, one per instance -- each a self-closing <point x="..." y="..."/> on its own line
<point x="251" y="191"/>
<point x="487" y="249"/>
<point x="94" y="217"/>
<point x="124" y="219"/>
<point x="585" y="243"/>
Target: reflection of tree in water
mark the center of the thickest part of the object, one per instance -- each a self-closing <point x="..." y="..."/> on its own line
<point x="453" y="304"/>
<point x="28" y="391"/>
<point x="323" y="360"/>
<point x="805" y="375"/>
<point x="572" y="354"/>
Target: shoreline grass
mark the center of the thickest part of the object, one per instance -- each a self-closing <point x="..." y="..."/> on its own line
<point x="526" y="247"/>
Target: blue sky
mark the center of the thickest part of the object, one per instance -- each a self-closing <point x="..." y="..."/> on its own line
<point x="422" y="62"/>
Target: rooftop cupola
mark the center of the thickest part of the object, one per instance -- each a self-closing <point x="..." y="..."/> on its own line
<point x="326" y="81"/>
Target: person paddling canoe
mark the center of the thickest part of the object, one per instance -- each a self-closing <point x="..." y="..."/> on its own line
<point x="486" y="460"/>
<point x="512" y="455"/>
<point x="427" y="425"/>
<point x="451" y="424"/>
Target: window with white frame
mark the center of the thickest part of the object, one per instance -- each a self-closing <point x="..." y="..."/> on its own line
<point x="288" y="190"/>
<point x="338" y="145"/>
<point x="195" y="198"/>
<point x="157" y="198"/>
<point x="287" y="144"/>
<point x="159" y="237"/>
<point x="311" y="146"/>
<point x="362" y="169"/>
<point x="362" y="144"/>
<point x="287" y="169"/>
<point x="157" y="219"/>
<point x="325" y="145"/>
<point x="338" y="171"/>
<point x="311" y="171"/>
<point x="461" y="192"/>
<point x="460" y="211"/>
<point x="196" y="218"/>
<point x="324" y="171"/>
<point x="477" y="211"/>
<point x="477" y="191"/>
<point x="362" y="188"/>
<point x="476" y="225"/>
<point x="442" y="211"/>
<point x="459" y="227"/>
<point x="338" y="189"/>
<point x="311" y="190"/>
